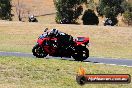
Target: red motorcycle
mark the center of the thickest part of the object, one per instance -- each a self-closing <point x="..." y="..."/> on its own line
<point x="49" y="46"/>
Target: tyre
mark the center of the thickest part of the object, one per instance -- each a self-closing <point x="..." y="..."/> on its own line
<point x="38" y="51"/>
<point x="81" y="54"/>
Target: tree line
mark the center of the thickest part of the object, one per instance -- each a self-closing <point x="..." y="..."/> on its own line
<point x="69" y="11"/>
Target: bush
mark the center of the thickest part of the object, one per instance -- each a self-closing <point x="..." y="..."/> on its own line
<point x="90" y="18"/>
<point x="127" y="18"/>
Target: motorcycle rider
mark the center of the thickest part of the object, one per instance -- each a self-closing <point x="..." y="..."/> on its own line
<point x="32" y="19"/>
<point x="64" y="40"/>
<point x="60" y="35"/>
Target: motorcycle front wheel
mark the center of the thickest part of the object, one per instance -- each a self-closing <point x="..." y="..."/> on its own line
<point x="81" y="54"/>
<point x="38" y="51"/>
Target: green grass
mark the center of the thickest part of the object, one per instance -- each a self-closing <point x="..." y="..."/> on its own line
<point x="18" y="72"/>
<point x="111" y="42"/>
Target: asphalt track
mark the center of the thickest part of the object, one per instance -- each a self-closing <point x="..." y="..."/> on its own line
<point x="121" y="62"/>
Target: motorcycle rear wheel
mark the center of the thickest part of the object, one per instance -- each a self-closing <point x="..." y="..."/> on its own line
<point x="81" y="54"/>
<point x="38" y="51"/>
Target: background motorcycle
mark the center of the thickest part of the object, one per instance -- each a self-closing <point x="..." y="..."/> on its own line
<point x="49" y="46"/>
<point x="32" y="20"/>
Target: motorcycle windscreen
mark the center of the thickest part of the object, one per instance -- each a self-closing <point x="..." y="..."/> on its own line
<point x="42" y="36"/>
<point x="80" y="39"/>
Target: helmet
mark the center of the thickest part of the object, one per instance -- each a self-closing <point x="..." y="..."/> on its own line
<point x="32" y="16"/>
<point x="53" y="32"/>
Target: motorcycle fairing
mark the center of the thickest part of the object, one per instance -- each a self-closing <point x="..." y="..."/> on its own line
<point x="82" y="40"/>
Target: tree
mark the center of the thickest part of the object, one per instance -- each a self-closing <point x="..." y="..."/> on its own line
<point x="110" y="8"/>
<point x="68" y="9"/>
<point x="127" y="17"/>
<point x="90" y="18"/>
<point x="126" y="6"/>
<point x="5" y="10"/>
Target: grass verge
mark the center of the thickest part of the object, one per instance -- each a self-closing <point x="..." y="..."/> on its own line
<point x="111" y="42"/>
<point x="18" y="72"/>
